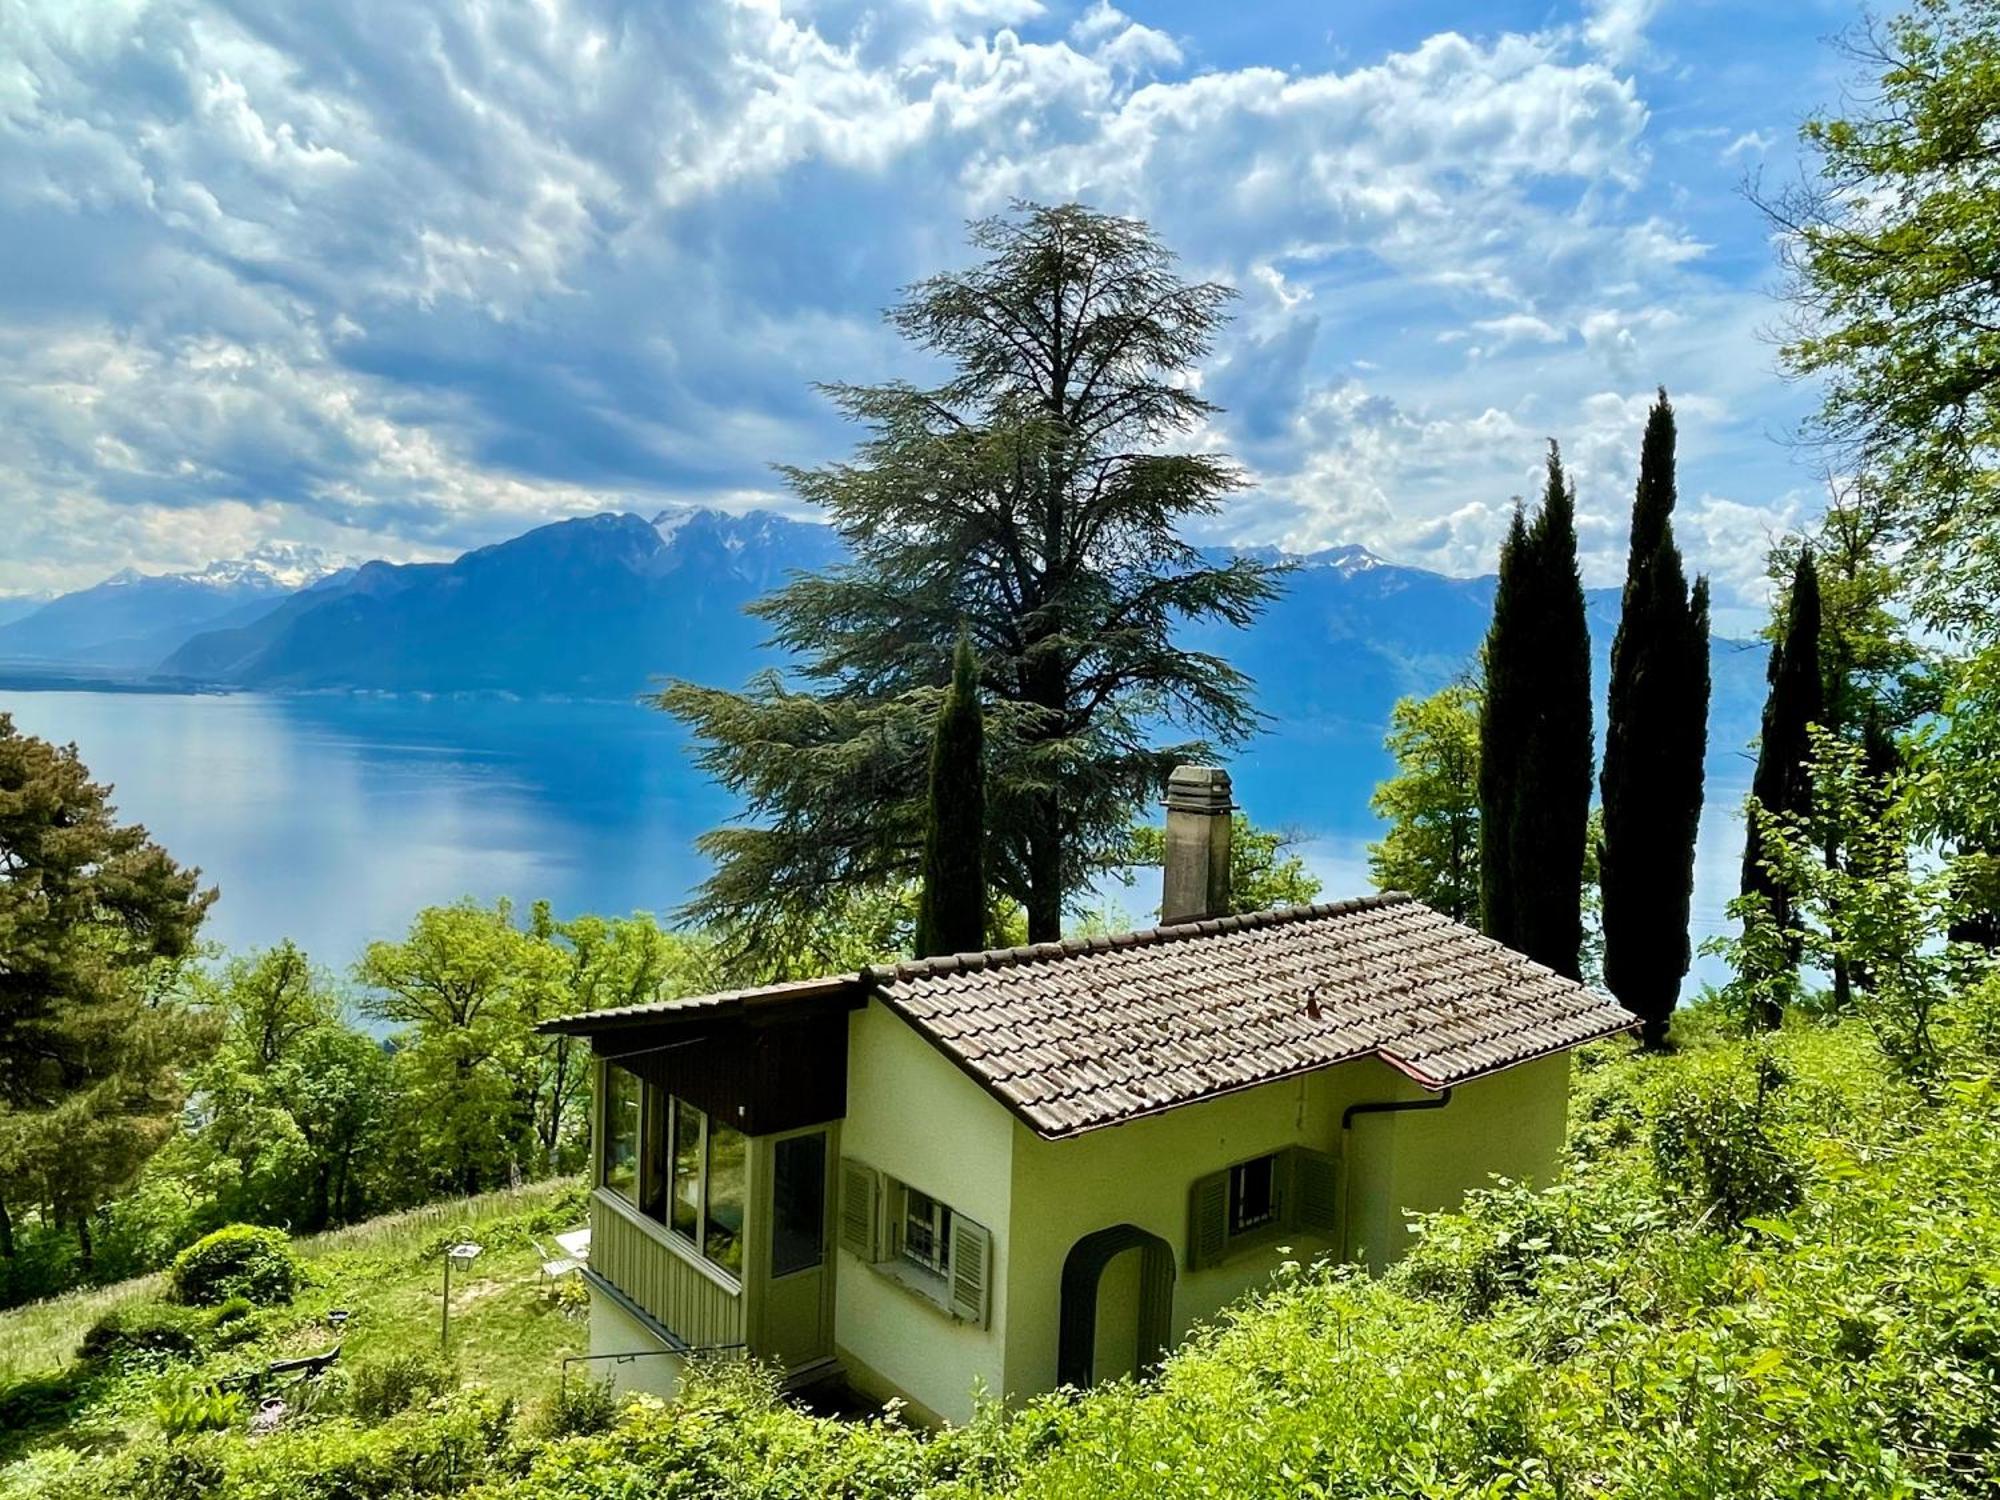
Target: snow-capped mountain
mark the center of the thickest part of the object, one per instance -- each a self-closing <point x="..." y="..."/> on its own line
<point x="133" y="619"/>
<point x="601" y="605"/>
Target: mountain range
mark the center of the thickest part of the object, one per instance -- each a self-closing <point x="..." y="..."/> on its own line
<point x="133" y="621"/>
<point x="603" y="606"/>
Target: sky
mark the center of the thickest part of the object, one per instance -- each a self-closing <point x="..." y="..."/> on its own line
<point x="399" y="277"/>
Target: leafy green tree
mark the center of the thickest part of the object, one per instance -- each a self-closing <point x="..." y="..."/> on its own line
<point x="1264" y="872"/>
<point x="1431" y="804"/>
<point x="1883" y="913"/>
<point x="1655" y="738"/>
<point x="94" y="918"/>
<point x="1873" y="668"/>
<point x="464" y="989"/>
<point x="1535" y="738"/>
<point x="1878" y="681"/>
<point x="1033" y="499"/>
<point x="1895" y="275"/>
<point x="951" y="902"/>
<point x="1782" y="782"/>
<point x="287" y="1112"/>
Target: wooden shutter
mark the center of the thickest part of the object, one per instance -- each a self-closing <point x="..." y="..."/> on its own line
<point x="858" y="1186"/>
<point x="971" y="1269"/>
<point x="1315" y="1196"/>
<point x="1208" y="1220"/>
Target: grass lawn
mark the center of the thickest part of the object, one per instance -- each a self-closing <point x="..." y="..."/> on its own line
<point x="509" y="1328"/>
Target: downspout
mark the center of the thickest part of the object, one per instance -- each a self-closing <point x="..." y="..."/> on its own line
<point x="1372" y="1107"/>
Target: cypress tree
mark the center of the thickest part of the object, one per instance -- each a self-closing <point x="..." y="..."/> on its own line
<point x="1552" y="816"/>
<point x="1535" y="737"/>
<point x="1509" y="674"/>
<point x="951" y="908"/>
<point x="1655" y="737"/>
<point x="1782" y="783"/>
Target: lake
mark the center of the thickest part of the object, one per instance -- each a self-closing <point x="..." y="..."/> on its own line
<point x="331" y="818"/>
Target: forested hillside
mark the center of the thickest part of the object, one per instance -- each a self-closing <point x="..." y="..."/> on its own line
<point x="1773" y="1269"/>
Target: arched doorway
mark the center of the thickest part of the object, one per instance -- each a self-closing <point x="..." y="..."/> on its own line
<point x="1149" y="1315"/>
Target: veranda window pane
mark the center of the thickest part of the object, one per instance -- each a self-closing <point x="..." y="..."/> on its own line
<point x="621" y="1132"/>
<point x="728" y="1153"/>
<point x="686" y="1204"/>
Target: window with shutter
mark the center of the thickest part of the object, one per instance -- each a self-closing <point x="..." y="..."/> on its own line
<point x="970" y="1270"/>
<point x="857" y="1209"/>
<point x="1208" y="1221"/>
<point x="1315" y="1190"/>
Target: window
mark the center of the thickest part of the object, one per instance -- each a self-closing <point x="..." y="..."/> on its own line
<point x="622" y="1108"/>
<point x="926" y="1232"/>
<point x="722" y="1229"/>
<point x="676" y="1166"/>
<point x="1253" y="1199"/>
<point x="914" y="1240"/>
<point x="798" y="1203"/>
<point x="686" y="1217"/>
<point x="1254" y="1203"/>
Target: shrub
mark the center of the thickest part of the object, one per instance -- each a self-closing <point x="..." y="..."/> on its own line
<point x="578" y="1409"/>
<point x="238" y="1260"/>
<point x="1713" y="1140"/>
<point x="182" y="1405"/>
<point x="145" y="1328"/>
<point x="385" y="1387"/>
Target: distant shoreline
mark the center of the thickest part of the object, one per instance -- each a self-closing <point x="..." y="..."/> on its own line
<point x="18" y="677"/>
<point x="26" y="677"/>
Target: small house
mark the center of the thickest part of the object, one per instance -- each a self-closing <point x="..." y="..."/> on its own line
<point x="1012" y="1170"/>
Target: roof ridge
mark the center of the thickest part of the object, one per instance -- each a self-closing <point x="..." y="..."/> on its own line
<point x="1139" y="937"/>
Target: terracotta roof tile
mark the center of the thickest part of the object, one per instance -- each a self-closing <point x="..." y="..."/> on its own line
<point x="1086" y="1033"/>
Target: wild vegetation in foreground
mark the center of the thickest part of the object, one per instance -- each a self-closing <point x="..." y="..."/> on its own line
<point x="1772" y="1269"/>
<point x="115" y="1369"/>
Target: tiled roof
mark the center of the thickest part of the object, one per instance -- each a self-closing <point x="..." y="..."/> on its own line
<point x="1089" y="1032"/>
<point x="841" y="987"/>
<point x="1075" y="1035"/>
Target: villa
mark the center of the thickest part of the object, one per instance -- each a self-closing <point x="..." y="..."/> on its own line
<point x="1013" y="1170"/>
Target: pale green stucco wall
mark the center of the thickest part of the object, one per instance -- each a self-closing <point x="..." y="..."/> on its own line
<point x="1139" y="1174"/>
<point x="914" y="1115"/>
<point x="1509" y="1124"/>
<point x="614" y="1331"/>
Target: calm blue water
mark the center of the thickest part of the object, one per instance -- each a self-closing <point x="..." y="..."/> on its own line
<point x="330" y="819"/>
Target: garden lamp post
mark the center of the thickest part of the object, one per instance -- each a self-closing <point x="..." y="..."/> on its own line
<point x="461" y="1255"/>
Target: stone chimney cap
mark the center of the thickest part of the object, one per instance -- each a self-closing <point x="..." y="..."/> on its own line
<point x="1199" y="789"/>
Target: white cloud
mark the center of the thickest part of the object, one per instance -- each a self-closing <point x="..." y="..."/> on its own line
<point x="397" y="276"/>
<point x="1617" y="28"/>
<point x="1751" y="143"/>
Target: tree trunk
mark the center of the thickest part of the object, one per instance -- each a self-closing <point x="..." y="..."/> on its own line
<point x="1045" y="892"/>
<point x="6" y="1231"/>
<point x="321" y="1195"/>
<point x="86" y="1256"/>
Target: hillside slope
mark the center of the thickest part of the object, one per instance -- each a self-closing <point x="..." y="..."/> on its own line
<point x="1772" y="1273"/>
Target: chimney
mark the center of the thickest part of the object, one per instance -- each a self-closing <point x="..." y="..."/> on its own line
<point x="1197" y="863"/>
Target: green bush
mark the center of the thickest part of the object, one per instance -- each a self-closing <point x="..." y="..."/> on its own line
<point x="183" y="1404"/>
<point x="143" y="1329"/>
<point x="579" y="1408"/>
<point x="1714" y="1142"/>
<point x="382" y="1388"/>
<point x="238" y="1260"/>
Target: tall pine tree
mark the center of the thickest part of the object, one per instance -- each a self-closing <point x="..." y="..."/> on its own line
<point x="1783" y="783"/>
<point x="1036" y="499"/>
<point x="1655" y="737"/>
<point x="951" y="908"/>
<point x="1535" y="764"/>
